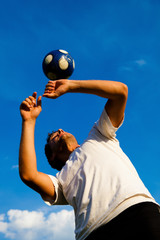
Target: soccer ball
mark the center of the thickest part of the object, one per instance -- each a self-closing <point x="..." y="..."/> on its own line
<point x="58" y="64"/>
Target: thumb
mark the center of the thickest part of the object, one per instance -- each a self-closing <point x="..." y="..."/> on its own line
<point x="39" y="101"/>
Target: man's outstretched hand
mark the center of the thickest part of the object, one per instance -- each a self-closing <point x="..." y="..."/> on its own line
<point x="29" y="108"/>
<point x="55" y="89"/>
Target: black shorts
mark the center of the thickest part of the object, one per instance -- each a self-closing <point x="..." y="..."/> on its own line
<point x="141" y="221"/>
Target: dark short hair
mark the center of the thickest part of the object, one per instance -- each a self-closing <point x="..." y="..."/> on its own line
<point x="56" y="163"/>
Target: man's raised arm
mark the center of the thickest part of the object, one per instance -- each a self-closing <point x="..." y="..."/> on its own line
<point x="115" y="92"/>
<point x="38" y="181"/>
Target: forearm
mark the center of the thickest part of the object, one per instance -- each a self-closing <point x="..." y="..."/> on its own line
<point x="27" y="155"/>
<point x="106" y="89"/>
<point x="115" y="92"/>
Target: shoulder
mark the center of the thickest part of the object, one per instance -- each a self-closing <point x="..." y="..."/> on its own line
<point x="60" y="199"/>
<point x="105" y="126"/>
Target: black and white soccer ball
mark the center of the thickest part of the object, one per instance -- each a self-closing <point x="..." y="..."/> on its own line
<point x="58" y="64"/>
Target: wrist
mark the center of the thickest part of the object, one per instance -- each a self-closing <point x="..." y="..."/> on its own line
<point x="74" y="85"/>
<point x="29" y="121"/>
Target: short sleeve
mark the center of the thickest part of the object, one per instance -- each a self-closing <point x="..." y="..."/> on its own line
<point x="60" y="199"/>
<point x="105" y="126"/>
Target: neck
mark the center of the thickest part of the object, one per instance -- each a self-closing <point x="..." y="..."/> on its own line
<point x="73" y="147"/>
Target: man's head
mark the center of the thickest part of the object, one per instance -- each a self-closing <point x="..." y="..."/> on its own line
<point x="59" y="146"/>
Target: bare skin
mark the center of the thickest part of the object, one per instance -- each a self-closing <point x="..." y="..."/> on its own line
<point x="115" y="92"/>
<point x="62" y="144"/>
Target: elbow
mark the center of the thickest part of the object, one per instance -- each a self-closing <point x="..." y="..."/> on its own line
<point x="125" y="90"/>
<point x="23" y="177"/>
<point x="26" y="178"/>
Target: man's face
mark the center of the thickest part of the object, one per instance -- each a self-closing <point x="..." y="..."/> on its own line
<point x="55" y="139"/>
<point x="62" y="144"/>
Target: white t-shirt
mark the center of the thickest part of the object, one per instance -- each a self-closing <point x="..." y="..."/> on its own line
<point x="98" y="180"/>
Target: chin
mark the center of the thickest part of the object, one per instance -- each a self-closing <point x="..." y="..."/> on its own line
<point x="68" y="137"/>
<point x="69" y="143"/>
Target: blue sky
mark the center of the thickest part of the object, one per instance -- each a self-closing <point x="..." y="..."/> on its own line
<point x="115" y="40"/>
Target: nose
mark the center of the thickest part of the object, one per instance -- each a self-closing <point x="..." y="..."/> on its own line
<point x="60" y="131"/>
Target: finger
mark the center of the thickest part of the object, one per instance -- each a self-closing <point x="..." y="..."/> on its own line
<point x="50" y="95"/>
<point x="34" y="95"/>
<point x="25" y="105"/>
<point x="39" y="101"/>
<point x="50" y="84"/>
<point x="29" y="101"/>
<point x="49" y="89"/>
<point x="47" y="95"/>
<point x="33" y="100"/>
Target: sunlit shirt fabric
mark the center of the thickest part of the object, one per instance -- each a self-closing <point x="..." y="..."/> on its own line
<point x="98" y="180"/>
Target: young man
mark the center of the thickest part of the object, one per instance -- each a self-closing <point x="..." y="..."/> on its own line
<point x="97" y="178"/>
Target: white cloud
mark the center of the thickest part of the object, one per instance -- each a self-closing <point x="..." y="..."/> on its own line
<point x="15" y="166"/>
<point x="132" y="65"/>
<point x="141" y="62"/>
<point x="2" y="216"/>
<point x="3" y="225"/>
<point x="36" y="225"/>
<point x="125" y="68"/>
